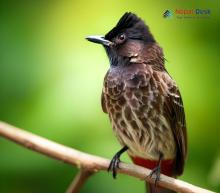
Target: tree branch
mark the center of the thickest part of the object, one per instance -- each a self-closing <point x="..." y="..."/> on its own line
<point x="87" y="161"/>
<point x="79" y="181"/>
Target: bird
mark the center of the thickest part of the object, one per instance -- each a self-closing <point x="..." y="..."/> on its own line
<point x="142" y="101"/>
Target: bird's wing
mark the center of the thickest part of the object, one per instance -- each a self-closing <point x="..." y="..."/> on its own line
<point x="103" y="103"/>
<point x="175" y="113"/>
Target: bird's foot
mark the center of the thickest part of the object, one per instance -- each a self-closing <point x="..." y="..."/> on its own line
<point x="156" y="172"/>
<point x="114" y="165"/>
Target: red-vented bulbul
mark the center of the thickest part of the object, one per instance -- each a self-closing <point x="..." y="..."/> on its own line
<point x="142" y="100"/>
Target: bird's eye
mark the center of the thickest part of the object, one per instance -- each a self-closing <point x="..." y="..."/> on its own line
<point x="121" y="38"/>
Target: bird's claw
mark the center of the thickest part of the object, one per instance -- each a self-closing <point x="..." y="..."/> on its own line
<point x="114" y="165"/>
<point x="155" y="171"/>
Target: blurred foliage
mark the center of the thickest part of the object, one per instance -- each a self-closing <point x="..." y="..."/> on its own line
<point x="51" y="81"/>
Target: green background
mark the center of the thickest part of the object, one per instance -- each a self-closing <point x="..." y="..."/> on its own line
<point x="51" y="81"/>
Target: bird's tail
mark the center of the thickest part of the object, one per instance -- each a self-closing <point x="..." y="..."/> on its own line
<point x="151" y="188"/>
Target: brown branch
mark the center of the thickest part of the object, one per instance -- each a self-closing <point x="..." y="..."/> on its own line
<point x="87" y="161"/>
<point x="79" y="181"/>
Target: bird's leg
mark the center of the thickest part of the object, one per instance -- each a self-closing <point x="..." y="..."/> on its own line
<point x="156" y="170"/>
<point x="114" y="164"/>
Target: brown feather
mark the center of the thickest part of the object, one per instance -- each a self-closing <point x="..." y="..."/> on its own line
<point x="175" y="111"/>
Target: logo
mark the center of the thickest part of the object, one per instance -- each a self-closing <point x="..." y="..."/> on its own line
<point x="187" y="13"/>
<point x="167" y="14"/>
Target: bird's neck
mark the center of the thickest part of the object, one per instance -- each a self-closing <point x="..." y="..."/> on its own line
<point x="151" y="54"/>
<point x="117" y="60"/>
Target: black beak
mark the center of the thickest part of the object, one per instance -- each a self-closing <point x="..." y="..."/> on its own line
<point x="99" y="40"/>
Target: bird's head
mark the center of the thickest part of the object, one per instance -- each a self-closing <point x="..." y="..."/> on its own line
<point x="126" y="41"/>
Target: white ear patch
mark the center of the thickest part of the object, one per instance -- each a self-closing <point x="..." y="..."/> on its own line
<point x="134" y="58"/>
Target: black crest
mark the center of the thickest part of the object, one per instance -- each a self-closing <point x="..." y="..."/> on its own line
<point x="128" y="20"/>
<point x="135" y="27"/>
